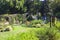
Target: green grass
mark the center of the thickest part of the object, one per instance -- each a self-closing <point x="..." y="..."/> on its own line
<point x="25" y="33"/>
<point x="18" y="31"/>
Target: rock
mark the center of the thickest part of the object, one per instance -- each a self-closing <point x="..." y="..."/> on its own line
<point x="9" y="28"/>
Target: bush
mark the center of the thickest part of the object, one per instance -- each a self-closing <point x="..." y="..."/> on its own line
<point x="41" y="33"/>
<point x="35" y="23"/>
<point x="58" y="25"/>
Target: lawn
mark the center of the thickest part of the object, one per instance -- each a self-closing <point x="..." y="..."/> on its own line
<point x="20" y="33"/>
<point x="27" y="33"/>
<point x="16" y="30"/>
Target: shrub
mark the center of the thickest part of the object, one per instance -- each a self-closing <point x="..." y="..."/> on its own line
<point x="35" y="23"/>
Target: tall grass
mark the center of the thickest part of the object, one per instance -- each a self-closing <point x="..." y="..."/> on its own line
<point x="22" y="33"/>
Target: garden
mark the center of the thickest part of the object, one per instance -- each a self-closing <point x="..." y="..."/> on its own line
<point x="29" y="19"/>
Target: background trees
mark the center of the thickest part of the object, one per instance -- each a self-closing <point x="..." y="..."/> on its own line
<point x="30" y="8"/>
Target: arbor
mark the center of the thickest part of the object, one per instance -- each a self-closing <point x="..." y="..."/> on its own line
<point x="4" y="7"/>
<point x="54" y="9"/>
<point x="11" y="5"/>
<point x="32" y="7"/>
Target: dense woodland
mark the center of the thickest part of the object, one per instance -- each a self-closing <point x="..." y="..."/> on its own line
<point x="22" y="11"/>
<point x="29" y="8"/>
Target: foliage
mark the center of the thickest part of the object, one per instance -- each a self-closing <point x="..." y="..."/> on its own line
<point x="22" y="33"/>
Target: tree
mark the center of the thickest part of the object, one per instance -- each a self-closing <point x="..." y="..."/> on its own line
<point x="54" y="8"/>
